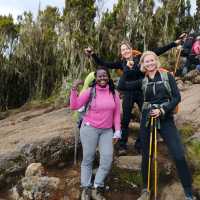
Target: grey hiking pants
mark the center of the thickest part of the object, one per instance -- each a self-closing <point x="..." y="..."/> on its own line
<point x="91" y="138"/>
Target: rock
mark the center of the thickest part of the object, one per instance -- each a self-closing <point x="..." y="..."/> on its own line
<point x="187" y="83"/>
<point x="11" y="166"/>
<point x="191" y="75"/>
<point x="35" y="169"/>
<point x="131" y="141"/>
<point x="49" y="152"/>
<point x="129" y="162"/>
<point x="35" y="186"/>
<point x="180" y="86"/>
<point x="75" y="193"/>
<point x="196" y="136"/>
<point x="197" y="79"/>
<point x="172" y="192"/>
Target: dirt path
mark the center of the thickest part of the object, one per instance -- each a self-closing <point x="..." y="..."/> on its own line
<point x="33" y="125"/>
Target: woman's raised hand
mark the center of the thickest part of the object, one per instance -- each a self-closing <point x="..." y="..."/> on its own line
<point x="88" y="51"/>
<point x="130" y="64"/>
<point x="76" y="83"/>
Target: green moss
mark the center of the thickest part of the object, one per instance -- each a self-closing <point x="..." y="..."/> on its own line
<point x="196" y="181"/>
<point x="187" y="130"/>
<point x="193" y="153"/>
<point x="126" y="178"/>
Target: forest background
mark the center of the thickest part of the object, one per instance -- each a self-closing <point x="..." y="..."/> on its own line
<point x="38" y="55"/>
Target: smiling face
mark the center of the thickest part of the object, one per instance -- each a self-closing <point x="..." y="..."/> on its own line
<point x="150" y="63"/>
<point x="126" y="51"/>
<point x="102" y="78"/>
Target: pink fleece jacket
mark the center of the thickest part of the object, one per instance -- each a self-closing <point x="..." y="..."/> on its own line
<point x="104" y="111"/>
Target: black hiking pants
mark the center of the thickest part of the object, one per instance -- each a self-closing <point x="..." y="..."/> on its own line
<point x="129" y="99"/>
<point x="170" y="135"/>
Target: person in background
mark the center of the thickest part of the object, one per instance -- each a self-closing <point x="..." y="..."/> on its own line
<point x="188" y="53"/>
<point x="102" y="116"/>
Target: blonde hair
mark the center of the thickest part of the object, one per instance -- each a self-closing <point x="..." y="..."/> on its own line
<point x="147" y="53"/>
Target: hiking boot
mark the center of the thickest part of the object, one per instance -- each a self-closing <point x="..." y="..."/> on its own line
<point x="97" y="194"/>
<point x="86" y="194"/>
<point x="145" y="195"/>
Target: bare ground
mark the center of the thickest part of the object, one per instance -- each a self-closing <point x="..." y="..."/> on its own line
<point x="32" y="126"/>
<point x="37" y="124"/>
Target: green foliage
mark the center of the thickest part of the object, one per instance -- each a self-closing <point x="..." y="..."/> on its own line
<point x="37" y="55"/>
<point x="126" y="177"/>
<point x="193" y="152"/>
<point x="187" y="130"/>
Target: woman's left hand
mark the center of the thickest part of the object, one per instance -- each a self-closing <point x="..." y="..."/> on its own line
<point x="116" y="136"/>
<point x="130" y="64"/>
<point x="155" y="112"/>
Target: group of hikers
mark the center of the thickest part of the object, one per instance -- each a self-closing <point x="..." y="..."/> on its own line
<point x="190" y="52"/>
<point x="155" y="92"/>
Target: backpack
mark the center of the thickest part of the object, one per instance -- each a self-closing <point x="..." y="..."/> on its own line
<point x="86" y="107"/>
<point x="164" y="80"/>
<point x="196" y="47"/>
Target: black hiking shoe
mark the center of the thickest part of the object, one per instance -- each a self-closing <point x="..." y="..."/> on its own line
<point x="86" y="193"/>
<point x="97" y="194"/>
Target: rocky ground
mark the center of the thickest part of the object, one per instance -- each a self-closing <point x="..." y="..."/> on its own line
<point x="45" y="135"/>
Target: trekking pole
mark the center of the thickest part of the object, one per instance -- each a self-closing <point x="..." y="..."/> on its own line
<point x="155" y="159"/>
<point x="76" y="140"/>
<point x="177" y="61"/>
<point x="150" y="155"/>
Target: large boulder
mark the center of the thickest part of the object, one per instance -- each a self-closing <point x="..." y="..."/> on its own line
<point x="193" y="76"/>
<point x="50" y="152"/>
<point x="129" y="162"/>
<point x="35" y="186"/>
<point x="172" y="192"/>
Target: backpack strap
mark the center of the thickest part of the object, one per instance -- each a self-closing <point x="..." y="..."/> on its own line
<point x="165" y="79"/>
<point x="145" y="82"/>
<point x="91" y="96"/>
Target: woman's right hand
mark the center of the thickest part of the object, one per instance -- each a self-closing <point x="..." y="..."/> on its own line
<point x="130" y="64"/>
<point x="88" y="51"/>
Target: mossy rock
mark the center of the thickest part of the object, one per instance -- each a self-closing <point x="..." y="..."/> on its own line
<point x="187" y="130"/>
<point x="196" y="183"/>
<point x="121" y="178"/>
<point x="193" y="153"/>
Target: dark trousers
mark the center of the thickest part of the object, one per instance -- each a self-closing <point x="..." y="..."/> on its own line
<point x="187" y="65"/>
<point x="169" y="133"/>
<point x="129" y="99"/>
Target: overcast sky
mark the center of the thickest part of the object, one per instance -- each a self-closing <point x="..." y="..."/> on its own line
<point x="17" y="7"/>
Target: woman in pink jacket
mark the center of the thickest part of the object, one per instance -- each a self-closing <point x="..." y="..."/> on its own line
<point x="102" y="115"/>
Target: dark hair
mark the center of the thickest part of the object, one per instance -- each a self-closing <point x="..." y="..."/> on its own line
<point x="123" y="42"/>
<point x="110" y="81"/>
